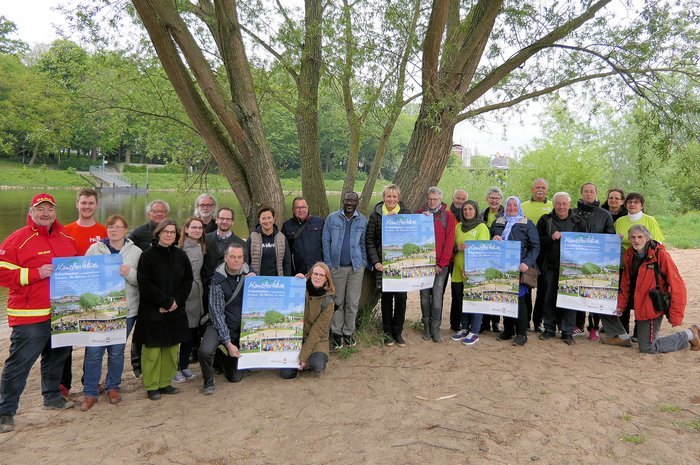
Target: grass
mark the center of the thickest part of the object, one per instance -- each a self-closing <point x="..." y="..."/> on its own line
<point x="695" y="425"/>
<point x="626" y="416"/>
<point x="669" y="408"/>
<point x="345" y="352"/>
<point x="681" y="230"/>
<point x="16" y="174"/>
<point x="634" y="438"/>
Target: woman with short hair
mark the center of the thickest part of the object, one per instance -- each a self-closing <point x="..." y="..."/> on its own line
<point x="165" y="280"/>
<point x="116" y="242"/>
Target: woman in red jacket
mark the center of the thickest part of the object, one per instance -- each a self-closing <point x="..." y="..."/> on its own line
<point x="642" y="261"/>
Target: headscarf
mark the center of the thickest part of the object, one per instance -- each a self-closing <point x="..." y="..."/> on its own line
<point x="511" y="220"/>
<point x="468" y="225"/>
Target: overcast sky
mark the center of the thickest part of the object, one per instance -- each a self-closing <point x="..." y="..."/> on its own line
<point x="36" y="21"/>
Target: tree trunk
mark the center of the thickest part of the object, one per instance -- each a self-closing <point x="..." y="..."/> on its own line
<point x="127" y="155"/>
<point x="93" y="153"/>
<point x="306" y="117"/>
<point x="35" y="154"/>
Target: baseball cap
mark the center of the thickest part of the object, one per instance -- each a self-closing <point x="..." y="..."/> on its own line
<point x="39" y="198"/>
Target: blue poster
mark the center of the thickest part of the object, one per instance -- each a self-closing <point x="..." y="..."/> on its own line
<point x="589" y="272"/>
<point x="408" y="252"/>
<point x="273" y="322"/>
<point x="492" y="277"/>
<point x="88" y="301"/>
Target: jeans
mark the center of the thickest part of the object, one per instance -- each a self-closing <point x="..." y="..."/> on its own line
<point x="27" y="342"/>
<point x="93" y="368"/>
<point x="431" y="299"/>
<point x="393" y="312"/>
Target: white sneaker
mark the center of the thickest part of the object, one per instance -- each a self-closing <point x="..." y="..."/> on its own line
<point x="460" y="335"/>
<point x="189" y="374"/>
<point x="179" y="378"/>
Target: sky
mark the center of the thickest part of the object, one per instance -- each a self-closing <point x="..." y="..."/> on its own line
<point x="36" y="22"/>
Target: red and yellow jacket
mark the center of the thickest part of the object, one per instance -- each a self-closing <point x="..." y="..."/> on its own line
<point x="643" y="308"/>
<point x="21" y="255"/>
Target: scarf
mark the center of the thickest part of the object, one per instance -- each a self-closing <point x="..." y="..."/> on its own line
<point x="468" y="225"/>
<point x="314" y="291"/>
<point x="512" y="220"/>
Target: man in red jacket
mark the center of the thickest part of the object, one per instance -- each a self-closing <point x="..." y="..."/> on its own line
<point x="25" y="266"/>
<point x="646" y="266"/>
<point x="431" y="299"/>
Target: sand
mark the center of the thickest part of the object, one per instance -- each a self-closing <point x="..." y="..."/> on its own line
<point x="492" y="403"/>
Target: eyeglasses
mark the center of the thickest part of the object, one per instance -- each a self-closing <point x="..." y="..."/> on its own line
<point x="208" y="205"/>
<point x="168" y="231"/>
<point x="318" y="275"/>
<point x="301" y="208"/>
<point x="634" y="202"/>
<point x="224" y="219"/>
<point x="160" y="212"/>
<point x="493" y="198"/>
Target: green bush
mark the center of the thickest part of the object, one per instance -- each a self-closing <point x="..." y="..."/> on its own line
<point x="70" y="170"/>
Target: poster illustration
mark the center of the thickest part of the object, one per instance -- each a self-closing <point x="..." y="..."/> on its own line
<point x="273" y="322"/>
<point x="589" y="272"/>
<point x="88" y="301"/>
<point x="492" y="277"/>
<point x="408" y="252"/>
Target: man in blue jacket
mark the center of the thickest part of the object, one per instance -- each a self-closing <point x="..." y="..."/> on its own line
<point x="345" y="254"/>
<point x="303" y="232"/>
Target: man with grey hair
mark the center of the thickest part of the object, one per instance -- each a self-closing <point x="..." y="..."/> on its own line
<point x="550" y="226"/>
<point x="648" y="267"/>
<point x="205" y="208"/>
<point x="444" y="223"/>
<point x="156" y="211"/>
<point x="458" y="198"/>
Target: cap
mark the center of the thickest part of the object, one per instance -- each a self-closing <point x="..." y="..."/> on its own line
<point x="39" y="198"/>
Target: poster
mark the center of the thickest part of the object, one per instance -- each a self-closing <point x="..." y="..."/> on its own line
<point x="88" y="301"/>
<point x="273" y="322"/>
<point x="492" y="277"/>
<point x="589" y="272"/>
<point x="408" y="252"/>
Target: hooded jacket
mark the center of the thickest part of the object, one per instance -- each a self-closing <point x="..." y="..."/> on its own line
<point x="130" y="256"/>
<point x="643" y="308"/>
<point x="21" y="256"/>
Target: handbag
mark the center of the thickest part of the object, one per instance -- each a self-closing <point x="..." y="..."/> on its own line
<point x="661" y="301"/>
<point x="529" y="277"/>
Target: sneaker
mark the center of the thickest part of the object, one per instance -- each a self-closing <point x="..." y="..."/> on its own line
<point x="189" y="374"/>
<point x="153" y="395"/>
<point x="568" y="339"/>
<point x="503" y="336"/>
<point x="388" y="340"/>
<point x="169" y="390"/>
<point x="471" y="340"/>
<point x="520" y="340"/>
<point x="616" y="341"/>
<point x="349" y="341"/>
<point x="495" y="327"/>
<point x="695" y="342"/>
<point x="7" y="423"/>
<point x="546" y="336"/>
<point x="460" y="335"/>
<point x="59" y="403"/>
<point x="539" y="328"/>
<point x="337" y="341"/>
<point x="65" y="392"/>
<point x="400" y="341"/>
<point x="593" y="334"/>
<point x="577" y="332"/>
<point x="634" y="338"/>
<point x="179" y="378"/>
<point x="208" y="388"/>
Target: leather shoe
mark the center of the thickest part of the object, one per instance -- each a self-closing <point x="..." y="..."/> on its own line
<point x="169" y="390"/>
<point x="114" y="396"/>
<point x="695" y="343"/>
<point x="616" y="341"/>
<point x="87" y="404"/>
<point x="153" y="395"/>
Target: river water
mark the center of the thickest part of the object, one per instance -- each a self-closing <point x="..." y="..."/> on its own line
<point x="14" y="205"/>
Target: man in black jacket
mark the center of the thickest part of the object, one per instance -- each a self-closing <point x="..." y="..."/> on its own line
<point x="304" y="234"/>
<point x="550" y="227"/>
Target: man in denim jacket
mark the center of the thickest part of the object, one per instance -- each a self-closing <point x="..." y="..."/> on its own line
<point x="345" y="254"/>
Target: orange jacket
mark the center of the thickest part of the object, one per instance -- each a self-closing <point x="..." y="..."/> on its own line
<point x="21" y="255"/>
<point x="643" y="308"/>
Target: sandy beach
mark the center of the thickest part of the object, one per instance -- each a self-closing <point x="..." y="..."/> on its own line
<point x="492" y="403"/>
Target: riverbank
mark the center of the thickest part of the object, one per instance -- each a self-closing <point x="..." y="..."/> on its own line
<point x="545" y="403"/>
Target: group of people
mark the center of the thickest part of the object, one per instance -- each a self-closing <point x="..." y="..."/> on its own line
<point x="184" y="286"/>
